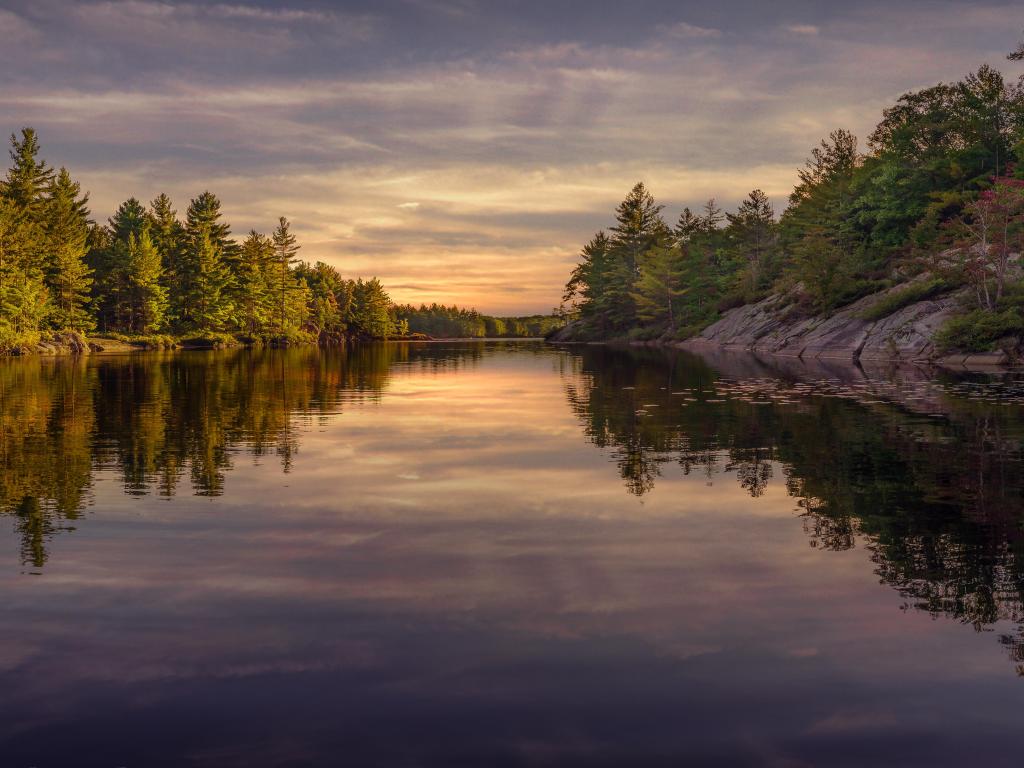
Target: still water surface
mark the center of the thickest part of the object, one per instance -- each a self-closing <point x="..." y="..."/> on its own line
<point x="507" y="554"/>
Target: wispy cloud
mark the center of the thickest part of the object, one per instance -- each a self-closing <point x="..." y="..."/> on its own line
<point x="685" y="31"/>
<point x="803" y="29"/>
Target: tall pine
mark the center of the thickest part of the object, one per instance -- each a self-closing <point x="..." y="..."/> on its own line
<point x="68" y="276"/>
<point x="282" y="280"/>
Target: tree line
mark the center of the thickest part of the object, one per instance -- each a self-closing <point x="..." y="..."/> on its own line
<point x="150" y="271"/>
<point x="938" y="190"/>
<point x="458" y="322"/>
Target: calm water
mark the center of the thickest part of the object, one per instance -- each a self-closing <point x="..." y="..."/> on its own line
<point x="507" y="554"/>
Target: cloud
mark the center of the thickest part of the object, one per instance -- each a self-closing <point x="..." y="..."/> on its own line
<point x="684" y="31"/>
<point x="481" y="159"/>
<point x="803" y="29"/>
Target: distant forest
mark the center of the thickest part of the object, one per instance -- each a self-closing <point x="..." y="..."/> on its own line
<point x="454" y="322"/>
<point x="148" y="274"/>
<point x="936" y="201"/>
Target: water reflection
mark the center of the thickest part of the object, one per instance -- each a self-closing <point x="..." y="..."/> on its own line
<point x="925" y="471"/>
<point x="162" y="420"/>
<point x="408" y="554"/>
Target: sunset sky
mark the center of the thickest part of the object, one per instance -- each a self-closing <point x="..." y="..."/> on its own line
<point x="462" y="150"/>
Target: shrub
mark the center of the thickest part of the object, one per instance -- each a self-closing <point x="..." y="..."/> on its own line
<point x="145" y="340"/>
<point x="13" y="342"/>
<point x="897" y="300"/>
<point x="210" y="340"/>
<point x="978" y="331"/>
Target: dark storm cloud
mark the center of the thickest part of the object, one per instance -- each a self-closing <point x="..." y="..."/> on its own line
<point x="407" y="136"/>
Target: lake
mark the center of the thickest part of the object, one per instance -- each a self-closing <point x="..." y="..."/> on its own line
<point x="507" y="553"/>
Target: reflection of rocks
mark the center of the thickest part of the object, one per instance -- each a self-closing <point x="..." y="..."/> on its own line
<point x="924" y="472"/>
<point x="771" y="327"/>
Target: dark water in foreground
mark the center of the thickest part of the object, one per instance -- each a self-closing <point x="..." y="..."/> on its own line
<point x="507" y="554"/>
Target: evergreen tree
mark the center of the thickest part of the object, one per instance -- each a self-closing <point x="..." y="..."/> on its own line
<point x="330" y="300"/>
<point x="659" y="286"/>
<point x="371" y="309"/>
<point x="68" y="276"/>
<point x="638" y="227"/>
<point x="282" y="280"/>
<point x="29" y="178"/>
<point x="23" y="294"/>
<point x="129" y="219"/>
<point x="688" y="226"/>
<point x="209" y="308"/>
<point x="204" y="215"/>
<point x="168" y="236"/>
<point x="751" y="231"/>
<point x="588" y="284"/>
<point x="148" y="296"/>
<point x="255" y="304"/>
<point x="713" y="216"/>
<point x="109" y="263"/>
<point x="815" y="229"/>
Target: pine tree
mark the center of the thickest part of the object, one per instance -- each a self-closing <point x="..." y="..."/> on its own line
<point x="23" y="294"/>
<point x="688" y="226"/>
<point x="660" y="284"/>
<point x="148" y="296"/>
<point x="208" y="303"/>
<point x="638" y="227"/>
<point x="282" y="280"/>
<point x="371" y="309"/>
<point x="815" y="229"/>
<point x="752" y="234"/>
<point x="109" y="262"/>
<point x="712" y="218"/>
<point x="588" y="283"/>
<point x="68" y="276"/>
<point x="168" y="236"/>
<point x="29" y="178"/>
<point x="129" y="219"/>
<point x="204" y="215"/>
<point x="255" y="305"/>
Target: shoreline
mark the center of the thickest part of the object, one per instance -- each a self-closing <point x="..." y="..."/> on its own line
<point x="104" y="345"/>
<point x="989" y="362"/>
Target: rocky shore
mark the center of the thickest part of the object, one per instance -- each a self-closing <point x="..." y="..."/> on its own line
<point x="771" y="327"/>
<point x="906" y="335"/>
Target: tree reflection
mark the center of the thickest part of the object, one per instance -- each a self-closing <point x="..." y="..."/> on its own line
<point x="157" y="419"/>
<point x="937" y="500"/>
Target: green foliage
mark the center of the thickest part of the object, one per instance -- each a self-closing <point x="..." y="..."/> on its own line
<point x="168" y="234"/>
<point x="149" y="277"/>
<point x="896" y="300"/>
<point x="289" y="306"/>
<point x="66" y="227"/>
<point x="979" y="330"/>
<point x="145" y="340"/>
<point x="208" y="304"/>
<point x="29" y="178"/>
<point x="147" y="295"/>
<point x="24" y="300"/>
<point x="254" y="303"/>
<point x="446" y="322"/>
<point x="454" y="322"/>
<point x="659" y="285"/>
<point x="752" y="239"/>
<point x="371" y="310"/>
<point x="852" y="222"/>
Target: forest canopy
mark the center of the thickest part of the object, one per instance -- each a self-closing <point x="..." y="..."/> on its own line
<point x="936" y="189"/>
<point x="149" y="272"/>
